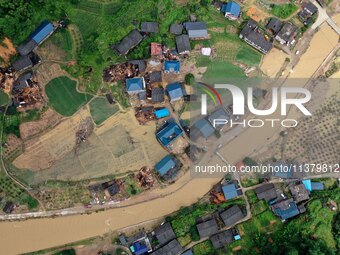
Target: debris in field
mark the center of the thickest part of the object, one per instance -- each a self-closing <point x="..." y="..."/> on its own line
<point x="85" y="129"/>
<point x="144" y="114"/>
<point x="27" y="93"/>
<point x="120" y="72"/>
<point x="144" y="178"/>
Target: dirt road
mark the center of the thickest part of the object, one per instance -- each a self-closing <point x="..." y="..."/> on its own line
<point x="30" y="235"/>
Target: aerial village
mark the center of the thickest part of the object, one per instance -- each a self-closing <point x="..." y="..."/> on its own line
<point x="158" y="89"/>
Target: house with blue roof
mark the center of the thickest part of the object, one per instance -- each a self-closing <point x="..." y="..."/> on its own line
<point x="286" y="209"/>
<point x="175" y="91"/>
<point x="165" y="165"/>
<point x="135" y="85"/>
<point x="168" y="134"/>
<point x="172" y="66"/>
<point x="162" y="113"/>
<point x="42" y="32"/>
<point x="231" y="10"/>
<point x="139" y="248"/>
<point x="229" y="191"/>
<point x="36" y="38"/>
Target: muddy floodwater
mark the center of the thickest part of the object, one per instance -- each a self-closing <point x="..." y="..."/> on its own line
<point x="36" y="234"/>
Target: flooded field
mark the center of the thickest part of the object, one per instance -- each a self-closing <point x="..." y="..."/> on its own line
<point x="118" y="146"/>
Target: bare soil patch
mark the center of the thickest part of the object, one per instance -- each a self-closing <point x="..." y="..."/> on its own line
<point x="7" y="49"/>
<point x="273" y="62"/>
<point x="49" y="119"/>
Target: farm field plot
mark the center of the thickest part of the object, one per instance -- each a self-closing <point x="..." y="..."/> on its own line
<point x="4" y="99"/>
<point x="248" y="56"/>
<point x="64" y="97"/>
<point x="98" y="156"/>
<point x="101" y="109"/>
<point x="273" y="62"/>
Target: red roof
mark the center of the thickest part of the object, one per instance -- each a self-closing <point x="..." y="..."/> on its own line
<point x="156" y="49"/>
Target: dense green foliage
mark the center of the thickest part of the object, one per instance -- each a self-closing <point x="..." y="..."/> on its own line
<point x="64" y="97"/>
<point x="4" y="99"/>
<point x="66" y="252"/>
<point x="283" y="11"/>
<point x="19" y="18"/>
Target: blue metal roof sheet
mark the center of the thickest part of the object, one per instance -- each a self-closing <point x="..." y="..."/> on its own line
<point x="42" y="32"/>
<point x="290" y="212"/>
<point x="169" y="134"/>
<point x="308" y="184"/>
<point x="162" y="113"/>
<point x="165" y="165"/>
<point x="317" y="186"/>
<point x="232" y="8"/>
<point x="175" y="91"/>
<point x="229" y="191"/>
<point x="134" y="84"/>
<point x="172" y="66"/>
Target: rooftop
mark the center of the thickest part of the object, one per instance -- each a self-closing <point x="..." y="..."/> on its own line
<point x="175" y="91"/>
<point x="42" y="32"/>
<point x="286" y="209"/>
<point x="22" y="63"/>
<point x="135" y="85"/>
<point x="221" y="239"/>
<point x="232" y="215"/>
<point x="229" y="191"/>
<point x="176" y="29"/>
<point x="157" y="95"/>
<point x="256" y="39"/>
<point x="207" y="228"/>
<point x="164" y="233"/>
<point x="149" y="27"/>
<point x="165" y="165"/>
<point x="162" y="113"/>
<point x="266" y="192"/>
<point x="172" y="248"/>
<point x="129" y="42"/>
<point x="156" y="76"/>
<point x="196" y="29"/>
<point x="183" y="44"/>
<point x="220" y="113"/>
<point x="287" y="32"/>
<point x="274" y="25"/>
<point x="299" y="192"/>
<point x="204" y="127"/>
<point x="310" y="8"/>
<point x="140" y="63"/>
<point x="232" y="8"/>
<point x="169" y="133"/>
<point x="26" y="47"/>
<point x="172" y="66"/>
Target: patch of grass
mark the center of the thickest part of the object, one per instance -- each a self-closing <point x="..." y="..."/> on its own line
<point x="64" y="97"/>
<point x="118" y="91"/>
<point x="4" y="99"/>
<point x="101" y="109"/>
<point x="203" y="248"/>
<point x="259" y="207"/>
<point x="184" y="240"/>
<point x="131" y="187"/>
<point x="248" y="56"/>
<point x="283" y="11"/>
<point x="62" y="38"/>
<point x="252" y="198"/>
<point x="221" y="72"/>
<point x="31" y="115"/>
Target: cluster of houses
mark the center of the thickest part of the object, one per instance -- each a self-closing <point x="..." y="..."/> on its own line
<point x="28" y="58"/>
<point x="220" y="228"/>
<point x="283" y="32"/>
<point x="286" y="208"/>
